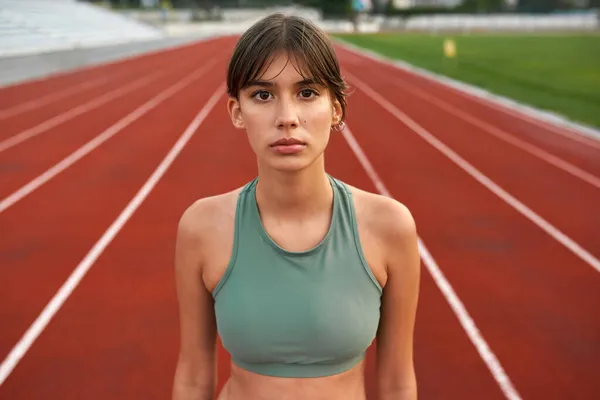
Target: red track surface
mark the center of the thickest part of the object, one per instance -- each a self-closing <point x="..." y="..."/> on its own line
<point x="532" y="299"/>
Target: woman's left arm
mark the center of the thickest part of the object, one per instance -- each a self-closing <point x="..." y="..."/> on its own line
<point x="396" y="379"/>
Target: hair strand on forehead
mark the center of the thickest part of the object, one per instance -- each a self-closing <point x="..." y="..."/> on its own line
<point x="307" y="46"/>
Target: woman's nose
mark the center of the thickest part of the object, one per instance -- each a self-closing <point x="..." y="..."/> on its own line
<point x="287" y="115"/>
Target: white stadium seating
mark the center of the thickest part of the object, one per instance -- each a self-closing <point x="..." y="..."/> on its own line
<point x="35" y="26"/>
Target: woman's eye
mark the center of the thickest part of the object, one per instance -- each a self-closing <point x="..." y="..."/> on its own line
<point x="262" y="95"/>
<point x="307" y="93"/>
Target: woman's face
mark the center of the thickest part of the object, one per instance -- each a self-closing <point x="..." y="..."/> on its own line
<point x="288" y="119"/>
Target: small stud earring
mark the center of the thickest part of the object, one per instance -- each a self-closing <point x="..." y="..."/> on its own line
<point x="340" y="127"/>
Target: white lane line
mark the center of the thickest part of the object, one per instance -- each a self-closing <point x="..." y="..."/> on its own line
<point x="49" y="98"/>
<point x="459" y="309"/>
<point x="502" y="135"/>
<point x="121" y="62"/>
<point x="74" y="112"/>
<point x="479" y="176"/>
<point x="19" y="350"/>
<point x="103" y="137"/>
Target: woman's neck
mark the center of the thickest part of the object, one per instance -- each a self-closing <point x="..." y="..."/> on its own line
<point x="295" y="195"/>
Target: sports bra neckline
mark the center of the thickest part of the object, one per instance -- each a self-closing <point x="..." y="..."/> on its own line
<point x="323" y="242"/>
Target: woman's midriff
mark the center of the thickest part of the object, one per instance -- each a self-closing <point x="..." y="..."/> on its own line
<point x="245" y="385"/>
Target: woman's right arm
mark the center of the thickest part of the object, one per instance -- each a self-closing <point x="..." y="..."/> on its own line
<point x="195" y="374"/>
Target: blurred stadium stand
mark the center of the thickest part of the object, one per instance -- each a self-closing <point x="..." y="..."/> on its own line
<point x="33" y="26"/>
<point x="582" y="21"/>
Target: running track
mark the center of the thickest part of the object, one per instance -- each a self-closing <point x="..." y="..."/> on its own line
<point x="96" y="167"/>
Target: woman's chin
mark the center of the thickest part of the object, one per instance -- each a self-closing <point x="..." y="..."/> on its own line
<point x="289" y="164"/>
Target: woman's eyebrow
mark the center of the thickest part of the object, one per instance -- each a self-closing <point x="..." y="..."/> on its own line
<point x="258" y="82"/>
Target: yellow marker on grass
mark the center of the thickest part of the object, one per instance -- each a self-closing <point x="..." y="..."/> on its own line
<point x="449" y="48"/>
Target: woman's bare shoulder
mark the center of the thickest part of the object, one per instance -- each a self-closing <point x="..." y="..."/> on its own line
<point x="208" y="212"/>
<point x="383" y="215"/>
<point x="206" y="223"/>
<point x="389" y="231"/>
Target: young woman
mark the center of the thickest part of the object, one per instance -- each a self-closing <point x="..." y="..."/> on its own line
<point x="297" y="271"/>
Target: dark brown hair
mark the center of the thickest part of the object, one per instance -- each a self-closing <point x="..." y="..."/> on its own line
<point x="297" y="36"/>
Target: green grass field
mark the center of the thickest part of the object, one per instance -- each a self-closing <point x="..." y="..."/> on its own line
<point x="555" y="72"/>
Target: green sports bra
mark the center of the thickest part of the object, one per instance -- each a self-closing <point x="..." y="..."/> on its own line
<point x="297" y="314"/>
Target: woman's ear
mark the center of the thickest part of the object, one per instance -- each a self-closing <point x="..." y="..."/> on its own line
<point x="235" y="112"/>
<point x="337" y="114"/>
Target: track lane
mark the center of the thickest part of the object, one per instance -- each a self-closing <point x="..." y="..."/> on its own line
<point x="504" y="135"/>
<point x="563" y="200"/>
<point x="49" y="98"/>
<point x="50" y="230"/>
<point x="112" y="77"/>
<point x="15" y="135"/>
<point x="132" y="332"/>
<point x="45" y="112"/>
<point x="517" y="281"/>
<point x="28" y="160"/>
<point x="21" y="93"/>
<point x="574" y="148"/>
